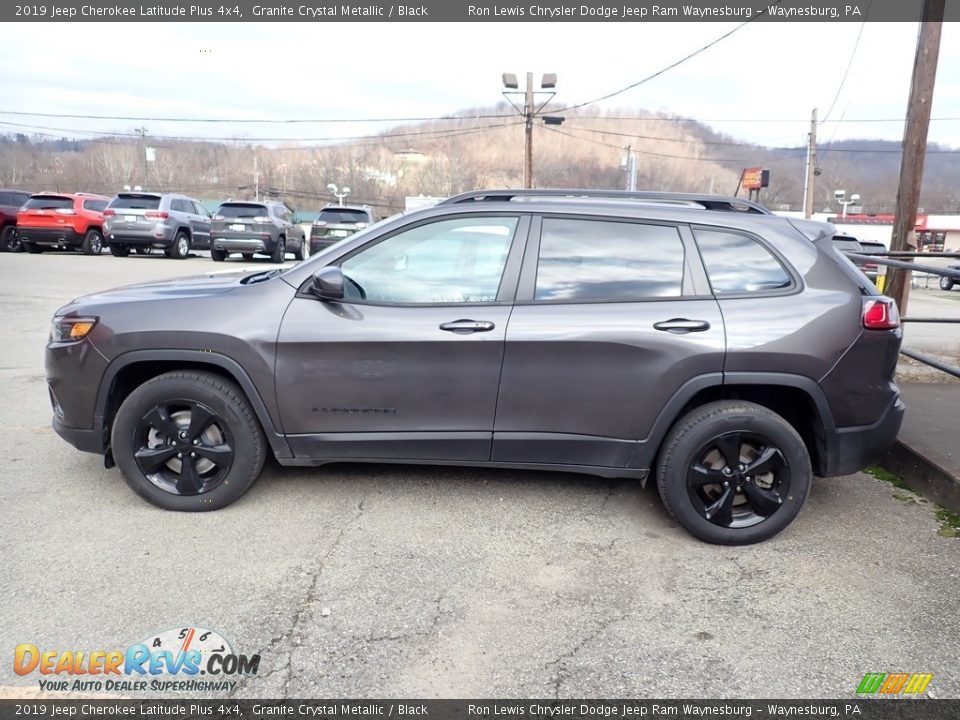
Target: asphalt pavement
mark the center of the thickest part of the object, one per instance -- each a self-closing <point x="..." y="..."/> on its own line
<point x="406" y="581"/>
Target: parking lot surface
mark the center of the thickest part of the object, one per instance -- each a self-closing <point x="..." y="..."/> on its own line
<point x="406" y="581"/>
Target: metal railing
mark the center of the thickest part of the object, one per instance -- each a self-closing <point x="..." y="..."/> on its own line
<point x="887" y="259"/>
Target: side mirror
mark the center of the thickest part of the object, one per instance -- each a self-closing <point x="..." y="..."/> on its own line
<point x="327" y="283"/>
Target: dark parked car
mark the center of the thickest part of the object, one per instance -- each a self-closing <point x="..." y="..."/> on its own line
<point x="947" y="283"/>
<point x="265" y="228"/>
<point x="848" y="244"/>
<point x="140" y="221"/>
<point x="10" y="203"/>
<point x="336" y="222"/>
<point x="726" y="352"/>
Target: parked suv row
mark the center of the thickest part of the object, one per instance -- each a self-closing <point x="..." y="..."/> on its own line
<point x="698" y="341"/>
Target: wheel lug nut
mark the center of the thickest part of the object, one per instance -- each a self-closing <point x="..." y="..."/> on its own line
<point x="726" y="484"/>
<point x="179" y="455"/>
<point x="741" y="468"/>
<point x="193" y="454"/>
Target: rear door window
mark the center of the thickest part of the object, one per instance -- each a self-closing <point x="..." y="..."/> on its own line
<point x="606" y="261"/>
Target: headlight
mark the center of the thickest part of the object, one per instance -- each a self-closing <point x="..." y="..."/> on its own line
<point x="71" y="329"/>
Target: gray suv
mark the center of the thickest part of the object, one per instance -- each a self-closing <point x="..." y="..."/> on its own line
<point x="336" y="222"/>
<point x="140" y="221"/>
<point x="265" y="228"/>
<point x="700" y="341"/>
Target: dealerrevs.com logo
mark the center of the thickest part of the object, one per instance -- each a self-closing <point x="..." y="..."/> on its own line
<point x="192" y="659"/>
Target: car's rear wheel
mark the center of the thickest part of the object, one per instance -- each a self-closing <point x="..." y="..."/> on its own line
<point x="733" y="473"/>
<point x="180" y="248"/>
<point x="92" y="242"/>
<point x="946" y="283"/>
<point x="188" y="441"/>
<point x="279" y="253"/>
<point x="119" y="250"/>
<point x="9" y="240"/>
<point x="31" y="248"/>
<point x="301" y="250"/>
<point x="247" y="256"/>
<point x="218" y="255"/>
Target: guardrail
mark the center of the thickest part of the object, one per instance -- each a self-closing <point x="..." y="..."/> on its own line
<point x="887" y="259"/>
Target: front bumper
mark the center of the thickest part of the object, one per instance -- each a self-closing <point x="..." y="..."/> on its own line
<point x="90" y="441"/>
<point x="51" y="237"/>
<point x="851" y="449"/>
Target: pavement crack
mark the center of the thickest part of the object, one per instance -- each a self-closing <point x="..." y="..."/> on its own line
<point x="287" y="638"/>
<point x="561" y="660"/>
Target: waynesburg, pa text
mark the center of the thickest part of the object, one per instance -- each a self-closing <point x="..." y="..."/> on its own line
<point x="693" y="12"/>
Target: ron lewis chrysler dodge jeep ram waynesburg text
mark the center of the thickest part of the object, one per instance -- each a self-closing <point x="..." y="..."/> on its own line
<point x="699" y="340"/>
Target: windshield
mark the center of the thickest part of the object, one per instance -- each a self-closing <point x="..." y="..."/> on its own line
<point x="343" y="215"/>
<point x="242" y="210"/>
<point x="49" y="202"/>
<point x="135" y="202"/>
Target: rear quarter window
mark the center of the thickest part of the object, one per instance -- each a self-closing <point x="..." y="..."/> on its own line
<point x="95" y="205"/>
<point x="738" y="264"/>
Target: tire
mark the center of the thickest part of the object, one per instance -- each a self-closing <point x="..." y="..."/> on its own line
<point x="181" y="246"/>
<point x="247" y="256"/>
<point x="946" y="283"/>
<point x="31" y="248"/>
<point x="751" y="508"/>
<point x="9" y="240"/>
<point x="218" y="255"/>
<point x="92" y="242"/>
<point x="230" y="445"/>
<point x="142" y="251"/>
<point x="120" y="250"/>
<point x="279" y="253"/>
<point x="301" y="252"/>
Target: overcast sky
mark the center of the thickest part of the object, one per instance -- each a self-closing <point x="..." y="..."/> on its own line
<point x="775" y="73"/>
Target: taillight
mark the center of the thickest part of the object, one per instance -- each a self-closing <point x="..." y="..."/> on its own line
<point x="109" y="213"/>
<point x="880" y="313"/>
<point x="161" y="214"/>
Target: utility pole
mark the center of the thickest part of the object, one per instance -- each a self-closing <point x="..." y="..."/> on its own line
<point x="809" y="179"/>
<point x="528" y="118"/>
<point x="142" y="132"/>
<point x="631" y="169"/>
<point x="915" y="146"/>
<point x="256" y="177"/>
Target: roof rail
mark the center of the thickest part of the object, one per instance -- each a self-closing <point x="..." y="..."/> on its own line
<point x="705" y="201"/>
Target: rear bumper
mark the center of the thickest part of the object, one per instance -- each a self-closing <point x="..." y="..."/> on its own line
<point x="853" y="448"/>
<point x="245" y="245"/>
<point x="148" y="238"/>
<point x="59" y="236"/>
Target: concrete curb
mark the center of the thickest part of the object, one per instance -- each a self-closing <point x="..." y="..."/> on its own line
<point x="923" y="476"/>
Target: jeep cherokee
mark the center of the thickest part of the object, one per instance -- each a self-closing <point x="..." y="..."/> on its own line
<point x="51" y="221"/>
<point x="726" y="352"/>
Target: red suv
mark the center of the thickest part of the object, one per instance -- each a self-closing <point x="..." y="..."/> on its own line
<point x="54" y="221"/>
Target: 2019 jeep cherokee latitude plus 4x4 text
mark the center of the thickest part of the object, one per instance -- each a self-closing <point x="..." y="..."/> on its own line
<point x="727" y="352"/>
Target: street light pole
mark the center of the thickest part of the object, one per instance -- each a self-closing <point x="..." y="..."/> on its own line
<point x="529" y="112"/>
<point x="528" y="117"/>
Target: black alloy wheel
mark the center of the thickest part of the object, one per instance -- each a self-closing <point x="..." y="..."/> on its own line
<point x="183" y="447"/>
<point x="738" y="480"/>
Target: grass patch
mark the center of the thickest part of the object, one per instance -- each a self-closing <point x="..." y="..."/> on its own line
<point x="949" y="522"/>
<point x="881" y="473"/>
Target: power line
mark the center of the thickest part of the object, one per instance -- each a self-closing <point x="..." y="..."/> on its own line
<point x="673" y="65"/>
<point x="142" y="118"/>
<point x="853" y="54"/>
<point x="377" y="139"/>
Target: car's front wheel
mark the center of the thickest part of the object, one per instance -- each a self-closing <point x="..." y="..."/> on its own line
<point x="188" y="441"/>
<point x="946" y="283"/>
<point x="733" y="472"/>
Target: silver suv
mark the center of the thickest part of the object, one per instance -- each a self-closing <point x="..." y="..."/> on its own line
<point x="141" y="220"/>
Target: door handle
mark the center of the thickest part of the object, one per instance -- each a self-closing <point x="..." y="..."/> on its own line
<point x="681" y="326"/>
<point x="465" y="327"/>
